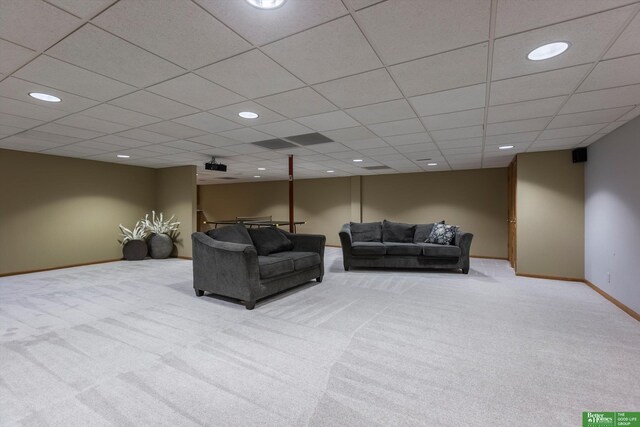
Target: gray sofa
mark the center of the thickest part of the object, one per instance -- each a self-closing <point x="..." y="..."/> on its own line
<point x="397" y="245"/>
<point x="252" y="264"/>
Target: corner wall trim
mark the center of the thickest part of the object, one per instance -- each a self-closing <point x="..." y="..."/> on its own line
<point x="542" y="276"/>
<point x="614" y="301"/>
<point x="16" y="273"/>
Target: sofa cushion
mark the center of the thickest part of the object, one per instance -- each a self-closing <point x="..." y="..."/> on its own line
<point x="301" y="260"/>
<point x="397" y="232"/>
<point x="442" y="234"/>
<point x="434" y="250"/>
<point x="423" y="231"/>
<point x="236" y="233"/>
<point x="269" y="240"/>
<point x="368" y="248"/>
<point x="397" y="248"/>
<point x="274" y="266"/>
<point x="366" y="232"/>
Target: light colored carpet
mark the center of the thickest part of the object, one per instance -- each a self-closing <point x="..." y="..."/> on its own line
<point x="129" y="344"/>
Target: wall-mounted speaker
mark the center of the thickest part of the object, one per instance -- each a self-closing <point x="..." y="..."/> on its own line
<point x="579" y="155"/>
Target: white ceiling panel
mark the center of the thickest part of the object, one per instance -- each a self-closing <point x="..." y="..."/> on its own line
<point x="187" y="145"/>
<point x="460" y="143"/>
<point x="163" y="149"/>
<point x="261" y="28"/>
<point x="48" y="137"/>
<point x="627" y="43"/>
<point x="82" y="8"/>
<point x="457" y="133"/>
<point x="461" y="67"/>
<point x="525" y="109"/>
<point x="588" y="117"/>
<point x="195" y="91"/>
<point x="17" y="121"/>
<point x="631" y="114"/>
<point x="75" y="132"/>
<point x="465" y="98"/>
<point x="91" y="123"/>
<point x="115" y="114"/>
<point x="454" y="120"/>
<point x="555" y="144"/>
<point x="382" y="112"/>
<point x="425" y="147"/>
<point x="400" y="127"/>
<point x="601" y="99"/>
<point x="357" y="90"/>
<point x="20" y="89"/>
<point x="357" y="133"/>
<point x="13" y="56"/>
<point x="381" y="153"/>
<point x="153" y="105"/>
<point x="328" y="121"/>
<point x="214" y="140"/>
<point x="541" y="85"/>
<point x="591" y="140"/>
<point x="283" y="128"/>
<point x="208" y="122"/>
<point x="329" y="147"/>
<point x="413" y="138"/>
<point x="159" y="27"/>
<point x="19" y="19"/>
<point x="297" y="103"/>
<point x="122" y="141"/>
<point x="511" y="138"/>
<point x="174" y="130"/>
<point x="146" y="136"/>
<point x="611" y="127"/>
<point x="9" y="130"/>
<point x="571" y="132"/>
<point x="28" y="110"/>
<point x="245" y="135"/>
<point x="18" y="142"/>
<point x="510" y="53"/>
<point x="612" y="73"/>
<point x="60" y="75"/>
<point x="103" y="53"/>
<point x="230" y="112"/>
<point x="518" y="126"/>
<point x="365" y="144"/>
<point x="394" y="27"/>
<point x="332" y="50"/>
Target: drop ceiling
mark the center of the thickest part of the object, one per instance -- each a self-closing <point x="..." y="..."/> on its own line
<point x="393" y="83"/>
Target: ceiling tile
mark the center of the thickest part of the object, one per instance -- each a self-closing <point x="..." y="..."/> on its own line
<point x="297" y="103"/>
<point x="60" y="75"/>
<point x="9" y="130"/>
<point x="283" y="128"/>
<point x="174" y="130"/>
<point x="525" y="109"/>
<point x="19" y="19"/>
<point x="454" y="120"/>
<point x="146" y="136"/>
<point x="159" y="27"/>
<point x="382" y="112"/>
<point x="247" y="149"/>
<point x="328" y="121"/>
<point x="361" y="4"/>
<point x="400" y="127"/>
<point x="465" y="98"/>
<point x="350" y="134"/>
<point x="115" y="114"/>
<point x="163" y="149"/>
<point x="461" y="67"/>
<point x="413" y="138"/>
<point x="460" y="143"/>
<point x="332" y="50"/>
<point x="26" y="109"/>
<point x="425" y="147"/>
<point x="265" y="115"/>
<point x="196" y="92"/>
<point x="510" y="53"/>
<point x="122" y="141"/>
<point x="207" y="122"/>
<point x="13" y="56"/>
<point x="518" y="126"/>
<point x="356" y="90"/>
<point x="86" y="122"/>
<point x="541" y="85"/>
<point x="410" y="29"/>
<point x="101" y="52"/>
<point x="570" y="132"/>
<point x="601" y="99"/>
<point x="252" y="74"/>
<point x="59" y="129"/>
<point x="627" y="43"/>
<point x="457" y="133"/>
<point x="82" y="8"/>
<point x="187" y="145"/>
<point x="18" y="142"/>
<point x="49" y="137"/>
<point x="260" y="27"/>
<point x="366" y="144"/>
<point x="154" y="105"/>
<point x="20" y="89"/>
<point x="245" y="135"/>
<point x="97" y="145"/>
<point x="215" y="140"/>
<point x="555" y="144"/>
<point x="329" y="147"/>
<point x="514" y="16"/>
<point x="511" y="138"/>
<point x="612" y="73"/>
<point x="588" y="117"/>
<point x="381" y="153"/>
<point x="631" y="114"/>
<point x="17" y="121"/>
<point x="591" y="140"/>
<point x="611" y="127"/>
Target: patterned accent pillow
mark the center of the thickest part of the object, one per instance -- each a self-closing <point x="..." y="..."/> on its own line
<point x="442" y="234"/>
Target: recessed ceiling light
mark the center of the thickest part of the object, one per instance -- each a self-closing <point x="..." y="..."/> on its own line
<point x="505" y="147"/>
<point x="266" y="4"/>
<point x="262" y="169"/>
<point x="357" y="160"/>
<point x="44" y="97"/>
<point x="123" y="156"/>
<point x="248" y="115"/>
<point x="432" y="164"/>
<point x="548" y="51"/>
<point x="256" y="176"/>
<point x="330" y="171"/>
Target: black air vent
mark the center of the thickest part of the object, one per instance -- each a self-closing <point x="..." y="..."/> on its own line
<point x="375" y="168"/>
<point x="226" y="177"/>
<point x="274" y="144"/>
<point x="309" y="139"/>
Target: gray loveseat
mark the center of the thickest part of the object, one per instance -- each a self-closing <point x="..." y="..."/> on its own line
<point x="397" y="245"/>
<point x="252" y="264"/>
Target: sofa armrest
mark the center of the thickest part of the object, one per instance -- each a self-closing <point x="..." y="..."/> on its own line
<point x="463" y="241"/>
<point x="307" y="242"/>
<point x="346" y="243"/>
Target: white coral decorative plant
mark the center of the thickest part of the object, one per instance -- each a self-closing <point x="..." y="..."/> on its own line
<point x="158" y="225"/>
<point x="139" y="232"/>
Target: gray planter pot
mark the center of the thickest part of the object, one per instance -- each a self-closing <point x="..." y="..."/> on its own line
<point x="160" y="246"/>
<point x="135" y="250"/>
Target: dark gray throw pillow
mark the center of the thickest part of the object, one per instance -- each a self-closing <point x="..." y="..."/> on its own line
<point x="442" y="234"/>
<point x="366" y="232"/>
<point x="269" y="240"/>
<point x="397" y="232"/>
<point x="236" y="233"/>
<point x="423" y="231"/>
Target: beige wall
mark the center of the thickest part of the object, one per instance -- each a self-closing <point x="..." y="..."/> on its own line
<point x="550" y="215"/>
<point x="476" y="200"/>
<point x="58" y="211"/>
<point x="176" y="194"/>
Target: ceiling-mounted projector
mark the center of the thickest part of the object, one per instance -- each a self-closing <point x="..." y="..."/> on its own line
<point x="215" y="166"/>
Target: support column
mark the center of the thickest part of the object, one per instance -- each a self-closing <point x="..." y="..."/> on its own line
<point x="292" y="227"/>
